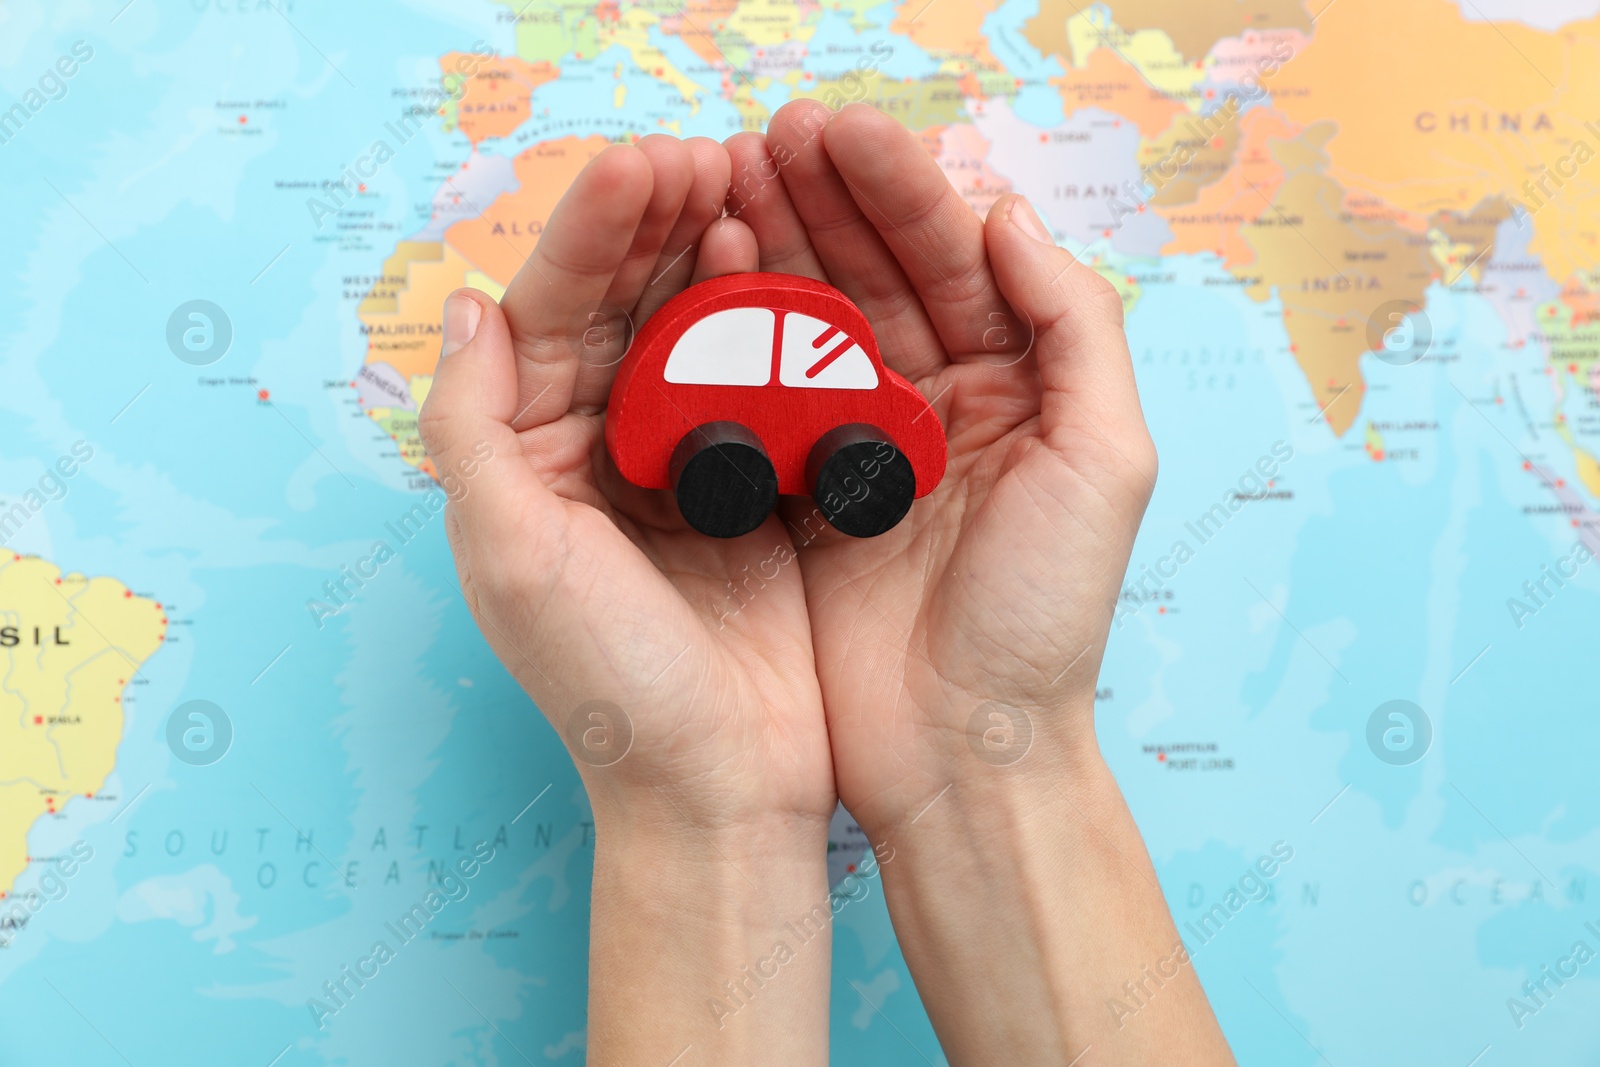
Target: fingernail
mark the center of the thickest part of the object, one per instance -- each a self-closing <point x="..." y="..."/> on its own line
<point x="1024" y="216"/>
<point x="461" y="315"/>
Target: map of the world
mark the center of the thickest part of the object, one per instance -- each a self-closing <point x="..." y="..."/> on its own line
<point x="247" y="725"/>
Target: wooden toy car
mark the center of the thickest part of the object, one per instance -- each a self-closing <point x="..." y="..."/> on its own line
<point x="751" y="385"/>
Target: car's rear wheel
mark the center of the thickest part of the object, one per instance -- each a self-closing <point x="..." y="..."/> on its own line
<point x="862" y="483"/>
<point x="725" y="484"/>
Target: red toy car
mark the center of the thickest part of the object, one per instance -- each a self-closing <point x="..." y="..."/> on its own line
<point x="751" y="385"/>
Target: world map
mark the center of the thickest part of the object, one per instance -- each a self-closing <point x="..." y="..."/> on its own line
<point x="249" y="732"/>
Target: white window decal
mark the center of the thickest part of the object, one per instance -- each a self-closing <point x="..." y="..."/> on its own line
<point x="732" y="347"/>
<point x="817" y="355"/>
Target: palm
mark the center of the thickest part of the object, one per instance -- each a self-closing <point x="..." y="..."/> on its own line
<point x="1000" y="580"/>
<point x="661" y="610"/>
<point x="960" y="605"/>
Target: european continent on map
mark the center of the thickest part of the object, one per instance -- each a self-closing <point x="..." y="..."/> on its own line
<point x="69" y="645"/>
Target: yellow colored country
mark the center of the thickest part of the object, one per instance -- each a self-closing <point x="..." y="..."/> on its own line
<point x="632" y="31"/>
<point x="69" y="645"/>
<point x="1073" y="32"/>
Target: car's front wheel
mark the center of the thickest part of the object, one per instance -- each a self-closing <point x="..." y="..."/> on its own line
<point x="862" y="483"/>
<point x="725" y="483"/>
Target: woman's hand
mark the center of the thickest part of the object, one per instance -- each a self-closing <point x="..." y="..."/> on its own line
<point x="993" y="597"/>
<point x="958" y="653"/>
<point x="702" y="745"/>
<point x="592" y="591"/>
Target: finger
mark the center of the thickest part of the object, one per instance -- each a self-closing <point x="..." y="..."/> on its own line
<point x="701" y="209"/>
<point x="672" y="166"/>
<point x="584" y="242"/>
<point x="729" y="247"/>
<point x="465" y="427"/>
<point x="604" y="331"/>
<point x="509" y="532"/>
<point x="757" y="197"/>
<point x="849" y="246"/>
<point x="1090" y="396"/>
<point x="933" y="233"/>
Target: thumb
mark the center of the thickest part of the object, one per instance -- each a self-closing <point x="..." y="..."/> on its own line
<point x="1076" y="314"/>
<point x="465" y="425"/>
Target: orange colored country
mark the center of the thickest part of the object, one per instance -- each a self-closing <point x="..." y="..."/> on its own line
<point x="499" y="241"/>
<point x="495" y="100"/>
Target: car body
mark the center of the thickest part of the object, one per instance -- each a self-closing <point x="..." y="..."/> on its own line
<point x="787" y="357"/>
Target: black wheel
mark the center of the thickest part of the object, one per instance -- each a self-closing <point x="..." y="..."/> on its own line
<point x="861" y="482"/>
<point x="724" y="482"/>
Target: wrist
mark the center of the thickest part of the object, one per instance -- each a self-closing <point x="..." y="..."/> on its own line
<point x="992" y="810"/>
<point x="670" y="780"/>
<point x="999" y="762"/>
<point x="664" y="833"/>
<point x="676" y="819"/>
<point x="1048" y="862"/>
<point x="725" y="928"/>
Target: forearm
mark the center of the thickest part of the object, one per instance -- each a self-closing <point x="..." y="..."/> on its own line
<point x="707" y="947"/>
<point x="1032" y="921"/>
